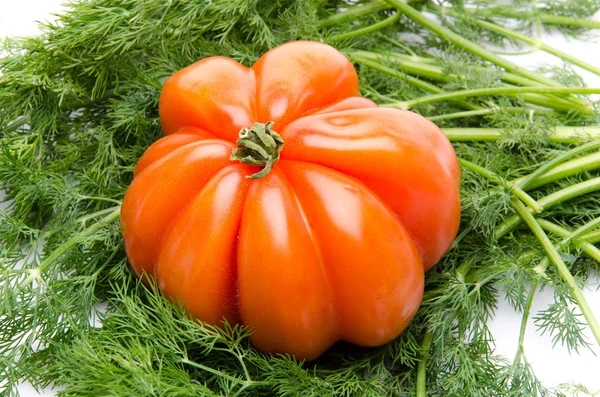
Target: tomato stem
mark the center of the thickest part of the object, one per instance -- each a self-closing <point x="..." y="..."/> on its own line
<point x="259" y="146"/>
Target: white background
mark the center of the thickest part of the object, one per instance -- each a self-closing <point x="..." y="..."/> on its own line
<point x="552" y="366"/>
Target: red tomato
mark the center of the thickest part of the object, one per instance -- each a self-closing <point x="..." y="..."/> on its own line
<point x="332" y="243"/>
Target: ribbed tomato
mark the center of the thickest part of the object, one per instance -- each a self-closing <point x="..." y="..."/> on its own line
<point x="282" y="200"/>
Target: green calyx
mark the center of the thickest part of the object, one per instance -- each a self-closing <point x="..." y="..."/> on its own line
<point x="259" y="146"/>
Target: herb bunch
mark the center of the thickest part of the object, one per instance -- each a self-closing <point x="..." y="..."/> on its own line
<point x="78" y="106"/>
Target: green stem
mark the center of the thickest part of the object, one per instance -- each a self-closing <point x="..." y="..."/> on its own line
<point x="15" y="125"/>
<point x="215" y="372"/>
<point x="537" y="44"/>
<point x="404" y="47"/>
<point x="468" y="45"/>
<point x="592" y="238"/>
<point x="540" y="45"/>
<point x="524" y="319"/>
<point x="422" y="368"/>
<point x="563" y="195"/>
<point x="435" y="71"/>
<point x="560" y="267"/>
<point x="413" y="80"/>
<point x="530" y="201"/>
<point x="367" y="30"/>
<point x="424" y="67"/>
<point x="79" y="103"/>
<point x="259" y="146"/>
<point x="394" y="73"/>
<point x="569" y="237"/>
<point x="568" y="21"/>
<point x="36" y="272"/>
<point x="509" y="33"/>
<point x="564" y="134"/>
<point x="584" y="163"/>
<point x="353" y="13"/>
<point x="414" y="65"/>
<point x="99" y="198"/>
<point x="480" y="112"/>
<point x="543" y="17"/>
<point x="85" y="218"/>
<point x="67" y="106"/>
<point x="523" y="184"/>
<point x="513" y="53"/>
<point x="492" y="91"/>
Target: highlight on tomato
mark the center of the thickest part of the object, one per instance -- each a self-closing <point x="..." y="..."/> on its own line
<point x="282" y="200"/>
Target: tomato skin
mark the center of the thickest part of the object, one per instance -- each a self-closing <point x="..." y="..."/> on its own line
<point x="332" y="243"/>
<point x="283" y="287"/>
<point x="372" y="264"/>
<point x="367" y="144"/>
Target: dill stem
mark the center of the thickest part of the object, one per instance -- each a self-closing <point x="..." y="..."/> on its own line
<point x="426" y="67"/>
<point x="85" y="218"/>
<point x="413" y="80"/>
<point x="524" y="319"/>
<point x="67" y="245"/>
<point x="530" y="201"/>
<point x="422" y="367"/>
<point x="492" y="91"/>
<point x="468" y="45"/>
<point x="79" y="103"/>
<point x="479" y="112"/>
<point x="354" y="13"/>
<point x="545" y="18"/>
<point x="523" y="184"/>
<point x="407" y="63"/>
<point x="244" y="384"/>
<point x="568" y="238"/>
<point x="404" y="47"/>
<point x="99" y="198"/>
<point x="563" y="134"/>
<point x="539" y="45"/>
<point x="16" y="124"/>
<point x="394" y="73"/>
<point x="576" y="190"/>
<point x="565" y="170"/>
<point x="433" y="69"/>
<point x="240" y="359"/>
<point x="592" y="237"/>
<point x="369" y="29"/>
<point x="560" y="266"/>
<point x="213" y="371"/>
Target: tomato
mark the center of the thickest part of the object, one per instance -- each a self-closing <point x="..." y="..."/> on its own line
<point x="282" y="200"/>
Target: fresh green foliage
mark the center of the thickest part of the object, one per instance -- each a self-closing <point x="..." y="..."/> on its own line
<point x="78" y="106"/>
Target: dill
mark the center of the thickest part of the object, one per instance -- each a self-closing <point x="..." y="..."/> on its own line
<point x="78" y="106"/>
